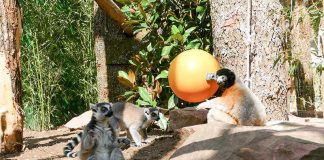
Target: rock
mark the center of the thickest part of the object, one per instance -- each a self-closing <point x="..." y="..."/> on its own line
<point x="308" y="120"/>
<point x="79" y="121"/>
<point x="185" y="132"/>
<point x="187" y="117"/>
<point x="285" y="140"/>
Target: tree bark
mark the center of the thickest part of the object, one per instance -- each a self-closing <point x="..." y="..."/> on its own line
<point x="248" y="38"/>
<point x="11" y="112"/>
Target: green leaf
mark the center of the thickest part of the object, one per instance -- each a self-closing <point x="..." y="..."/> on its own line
<point x="173" y="101"/>
<point x="201" y="12"/>
<point x="123" y="74"/>
<point x="144" y="25"/>
<point x="156" y="16"/>
<point x="142" y="103"/>
<point x="200" y="9"/>
<point x="125" y="9"/>
<point x="130" y="97"/>
<point x="180" y="28"/>
<point x="174" y="30"/>
<point x="153" y="103"/>
<point x="193" y="44"/>
<point x="127" y="93"/>
<point x="123" y="1"/>
<point x="188" y="32"/>
<point x="163" y="122"/>
<point x="149" y="47"/>
<point x="163" y="74"/>
<point x="144" y="94"/>
<point x="276" y="60"/>
<point x="166" y="50"/>
<point x="178" y="37"/>
<point x="125" y="82"/>
<point x="132" y="63"/>
<point x="174" y="19"/>
<point x="138" y="30"/>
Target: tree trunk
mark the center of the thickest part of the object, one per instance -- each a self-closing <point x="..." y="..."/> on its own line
<point x="11" y="113"/>
<point x="248" y="38"/>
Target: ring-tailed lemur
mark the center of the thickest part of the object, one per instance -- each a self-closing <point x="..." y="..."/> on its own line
<point x="98" y="139"/>
<point x="134" y="119"/>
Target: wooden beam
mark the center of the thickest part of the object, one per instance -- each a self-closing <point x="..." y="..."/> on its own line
<point x="113" y="11"/>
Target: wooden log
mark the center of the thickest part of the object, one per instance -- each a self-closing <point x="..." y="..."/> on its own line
<point x="113" y="11"/>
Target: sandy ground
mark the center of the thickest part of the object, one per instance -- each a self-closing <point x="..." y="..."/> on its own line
<point x="49" y="145"/>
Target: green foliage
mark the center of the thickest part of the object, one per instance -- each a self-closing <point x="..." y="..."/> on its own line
<point x="58" y="63"/>
<point x="316" y="13"/>
<point x="171" y="27"/>
<point x="286" y="12"/>
<point x="294" y="67"/>
<point x="320" y="69"/>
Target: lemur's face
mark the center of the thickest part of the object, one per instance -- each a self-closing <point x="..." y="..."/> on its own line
<point x="221" y="79"/>
<point x="101" y="110"/>
<point x="152" y="114"/>
<point x="225" y="77"/>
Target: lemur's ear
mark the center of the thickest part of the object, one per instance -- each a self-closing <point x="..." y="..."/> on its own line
<point x="147" y="111"/>
<point x="93" y="107"/>
<point x="108" y="105"/>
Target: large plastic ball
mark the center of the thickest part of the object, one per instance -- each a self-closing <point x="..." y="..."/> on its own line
<point x="187" y="75"/>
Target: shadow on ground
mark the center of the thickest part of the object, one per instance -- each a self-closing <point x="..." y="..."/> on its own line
<point x="259" y="144"/>
<point x="162" y="147"/>
<point x="32" y="142"/>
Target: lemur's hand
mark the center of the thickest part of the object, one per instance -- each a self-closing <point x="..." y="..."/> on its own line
<point x="91" y="132"/>
<point x="202" y="105"/>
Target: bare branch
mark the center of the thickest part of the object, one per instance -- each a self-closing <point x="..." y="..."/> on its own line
<point x="113" y="11"/>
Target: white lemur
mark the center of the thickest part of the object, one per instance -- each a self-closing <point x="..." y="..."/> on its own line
<point x="236" y="103"/>
<point x="134" y="119"/>
<point x="98" y="139"/>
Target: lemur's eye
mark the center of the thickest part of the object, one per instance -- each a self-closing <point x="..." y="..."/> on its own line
<point x="224" y="78"/>
<point x="103" y="109"/>
<point x="153" y="114"/>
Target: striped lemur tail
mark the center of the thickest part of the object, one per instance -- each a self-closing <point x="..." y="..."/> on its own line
<point x="68" y="149"/>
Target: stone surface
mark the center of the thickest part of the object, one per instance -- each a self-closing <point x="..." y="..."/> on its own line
<point x="284" y="140"/>
<point x="79" y="121"/>
<point x="250" y="46"/>
<point x="100" y="51"/>
<point x="113" y="50"/>
<point x="300" y="36"/>
<point x="187" y="117"/>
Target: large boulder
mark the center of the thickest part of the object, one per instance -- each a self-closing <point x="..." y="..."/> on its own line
<point x="284" y="140"/>
<point x="187" y="117"/>
<point x="79" y="121"/>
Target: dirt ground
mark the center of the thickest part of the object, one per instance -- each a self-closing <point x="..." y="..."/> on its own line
<point x="49" y="145"/>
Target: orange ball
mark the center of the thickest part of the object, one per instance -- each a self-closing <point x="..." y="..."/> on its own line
<point x="187" y="75"/>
